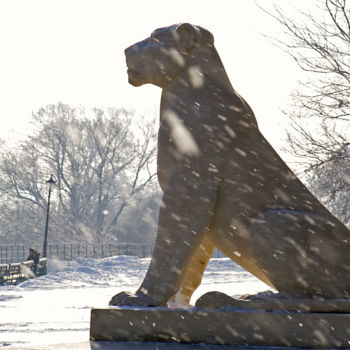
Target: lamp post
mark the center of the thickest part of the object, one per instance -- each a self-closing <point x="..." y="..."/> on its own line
<point x="49" y="182"/>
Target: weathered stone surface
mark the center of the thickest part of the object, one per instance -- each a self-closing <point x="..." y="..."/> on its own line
<point x="224" y="186"/>
<point x="243" y="327"/>
<point x="272" y="302"/>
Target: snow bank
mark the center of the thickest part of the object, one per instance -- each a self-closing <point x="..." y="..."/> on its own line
<point x="86" y="272"/>
<point x="121" y="271"/>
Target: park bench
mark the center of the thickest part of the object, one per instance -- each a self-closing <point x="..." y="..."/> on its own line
<point x="12" y="274"/>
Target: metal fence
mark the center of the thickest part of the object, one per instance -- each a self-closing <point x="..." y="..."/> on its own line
<point x="70" y="251"/>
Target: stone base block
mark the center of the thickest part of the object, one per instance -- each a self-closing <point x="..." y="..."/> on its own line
<point x="236" y="327"/>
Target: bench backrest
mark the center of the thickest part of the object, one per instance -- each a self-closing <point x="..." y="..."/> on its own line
<point x="14" y="269"/>
<point x="28" y="263"/>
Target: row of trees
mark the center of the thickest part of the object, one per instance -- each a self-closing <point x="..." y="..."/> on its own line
<point x="104" y="168"/>
<point x="318" y="136"/>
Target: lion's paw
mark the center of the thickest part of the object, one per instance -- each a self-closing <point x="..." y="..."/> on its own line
<point x="132" y="299"/>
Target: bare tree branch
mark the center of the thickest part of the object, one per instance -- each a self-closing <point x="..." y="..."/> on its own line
<point x="100" y="164"/>
<point x="318" y="134"/>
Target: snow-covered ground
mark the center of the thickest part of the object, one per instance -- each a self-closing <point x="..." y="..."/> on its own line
<point x="56" y="308"/>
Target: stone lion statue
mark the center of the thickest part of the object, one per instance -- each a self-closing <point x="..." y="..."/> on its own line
<point x="224" y="185"/>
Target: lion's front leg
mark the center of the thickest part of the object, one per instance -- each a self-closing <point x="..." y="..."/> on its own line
<point x="182" y="227"/>
<point x="194" y="274"/>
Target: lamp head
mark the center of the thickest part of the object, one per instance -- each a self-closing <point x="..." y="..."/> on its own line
<point x="50" y="181"/>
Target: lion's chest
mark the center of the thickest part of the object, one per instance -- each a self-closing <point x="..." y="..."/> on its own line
<point x="168" y="154"/>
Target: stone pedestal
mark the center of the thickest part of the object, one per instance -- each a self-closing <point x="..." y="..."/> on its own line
<point x="234" y="327"/>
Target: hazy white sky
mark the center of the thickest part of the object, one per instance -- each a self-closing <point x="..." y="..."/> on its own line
<point x="72" y="51"/>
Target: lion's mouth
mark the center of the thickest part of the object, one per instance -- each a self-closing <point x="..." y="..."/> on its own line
<point x="135" y="73"/>
<point x="135" y="77"/>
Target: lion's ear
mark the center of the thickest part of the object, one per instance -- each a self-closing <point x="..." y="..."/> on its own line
<point x="186" y="37"/>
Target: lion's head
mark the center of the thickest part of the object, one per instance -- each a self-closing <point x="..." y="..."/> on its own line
<point x="162" y="57"/>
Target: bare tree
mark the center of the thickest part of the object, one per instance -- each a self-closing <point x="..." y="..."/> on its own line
<point x="330" y="181"/>
<point x="100" y="164"/>
<point x="318" y="137"/>
<point x="319" y="42"/>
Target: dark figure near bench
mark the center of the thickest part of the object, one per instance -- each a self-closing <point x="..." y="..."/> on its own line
<point x="35" y="256"/>
<point x="224" y="185"/>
